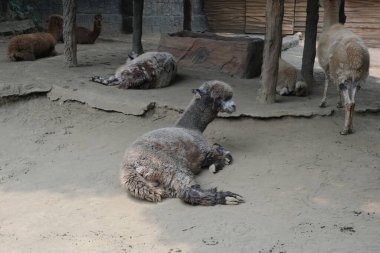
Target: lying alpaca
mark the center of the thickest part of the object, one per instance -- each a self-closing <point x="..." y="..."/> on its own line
<point x="86" y="36"/>
<point x="162" y="163"/>
<point x="55" y="26"/>
<point x="29" y="47"/>
<point x="147" y="71"/>
<point x="289" y="80"/>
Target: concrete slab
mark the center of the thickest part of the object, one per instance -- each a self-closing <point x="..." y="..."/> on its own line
<point x="62" y="83"/>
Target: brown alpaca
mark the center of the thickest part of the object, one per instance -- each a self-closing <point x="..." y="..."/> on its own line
<point x="29" y="47"/>
<point x="86" y="36"/>
<point x="55" y="26"/>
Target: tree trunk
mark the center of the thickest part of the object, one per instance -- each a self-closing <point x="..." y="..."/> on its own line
<point x="187" y="11"/>
<point x="138" y="7"/>
<point x="70" y="43"/>
<point x="342" y="15"/>
<point x="309" y="50"/>
<point x="272" y="50"/>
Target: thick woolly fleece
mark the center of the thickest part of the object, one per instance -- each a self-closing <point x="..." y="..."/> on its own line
<point x="163" y="163"/>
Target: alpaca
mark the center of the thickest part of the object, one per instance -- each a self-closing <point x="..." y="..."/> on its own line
<point x="162" y="163"/>
<point x="147" y="71"/>
<point x="86" y="36"/>
<point x="344" y="58"/>
<point x="289" y="80"/>
<point x="29" y="47"/>
<point x="55" y="26"/>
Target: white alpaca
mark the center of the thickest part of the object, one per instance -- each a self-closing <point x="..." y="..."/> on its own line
<point x="344" y="58"/>
<point x="289" y="81"/>
<point x="147" y="71"/>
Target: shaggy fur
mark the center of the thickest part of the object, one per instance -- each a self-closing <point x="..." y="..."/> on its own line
<point x="147" y="71"/>
<point x="55" y="26"/>
<point x="162" y="163"/>
<point x="32" y="46"/>
<point x="345" y="60"/>
<point x="289" y="80"/>
<point x="86" y="36"/>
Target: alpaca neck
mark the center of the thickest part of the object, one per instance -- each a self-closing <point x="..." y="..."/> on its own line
<point x="331" y="16"/>
<point x="97" y="29"/>
<point x="197" y="115"/>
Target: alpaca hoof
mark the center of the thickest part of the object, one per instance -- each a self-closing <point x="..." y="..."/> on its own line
<point x="322" y="104"/>
<point x="228" y="159"/>
<point x="212" y="168"/>
<point x="339" y="105"/>
<point x="233" y="199"/>
<point x="346" y="131"/>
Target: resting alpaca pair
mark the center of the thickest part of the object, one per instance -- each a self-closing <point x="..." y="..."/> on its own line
<point x="147" y="71"/>
<point x="163" y="163"/>
<point x="83" y="35"/>
<point x="344" y="58"/>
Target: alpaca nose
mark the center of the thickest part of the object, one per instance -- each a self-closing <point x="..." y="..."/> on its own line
<point x="229" y="106"/>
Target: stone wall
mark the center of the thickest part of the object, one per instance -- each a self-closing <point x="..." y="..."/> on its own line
<point x="167" y="16"/>
<point x="159" y="15"/>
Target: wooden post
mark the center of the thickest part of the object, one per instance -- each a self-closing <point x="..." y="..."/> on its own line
<point x="309" y="50"/>
<point x="272" y="50"/>
<point x="187" y="12"/>
<point x="138" y="8"/>
<point x="70" y="43"/>
<point x="342" y="15"/>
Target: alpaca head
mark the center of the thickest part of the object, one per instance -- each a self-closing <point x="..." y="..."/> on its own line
<point x="217" y="95"/>
<point x="131" y="56"/>
<point x="98" y="19"/>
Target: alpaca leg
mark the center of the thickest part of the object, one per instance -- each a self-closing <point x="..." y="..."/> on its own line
<point x="110" y="81"/>
<point x="28" y="55"/>
<point x="340" y="99"/>
<point x="217" y="158"/>
<point x="352" y="108"/>
<point x="194" y="195"/>
<point x="347" y="108"/>
<point x="185" y="187"/>
<point x="324" y="98"/>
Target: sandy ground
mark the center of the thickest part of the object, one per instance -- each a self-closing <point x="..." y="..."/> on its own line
<point x="307" y="188"/>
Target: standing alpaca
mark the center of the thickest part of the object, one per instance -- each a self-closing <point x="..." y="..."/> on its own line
<point x="147" y="71"/>
<point x="344" y="58"/>
<point x="162" y="163"/>
<point x="29" y="47"/>
<point x="86" y="36"/>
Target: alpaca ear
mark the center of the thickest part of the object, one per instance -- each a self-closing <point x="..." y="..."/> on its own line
<point x="197" y="93"/>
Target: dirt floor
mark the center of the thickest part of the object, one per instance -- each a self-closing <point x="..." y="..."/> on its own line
<point x="307" y="188"/>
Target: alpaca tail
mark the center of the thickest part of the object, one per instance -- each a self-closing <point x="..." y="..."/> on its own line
<point x="138" y="187"/>
<point x="109" y="81"/>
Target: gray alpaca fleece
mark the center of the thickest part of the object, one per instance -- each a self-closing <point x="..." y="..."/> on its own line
<point x="163" y="163"/>
<point x="150" y="70"/>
